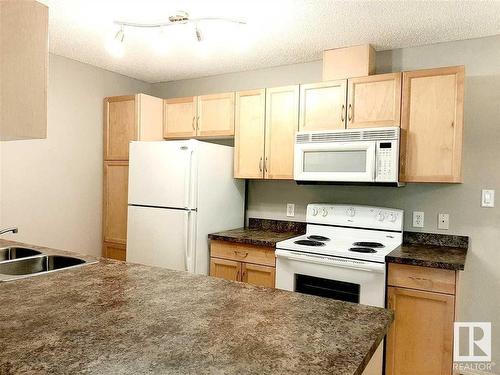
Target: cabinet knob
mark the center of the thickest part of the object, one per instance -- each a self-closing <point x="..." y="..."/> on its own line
<point x="260" y="164"/>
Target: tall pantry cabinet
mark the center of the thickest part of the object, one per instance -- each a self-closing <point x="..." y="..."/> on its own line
<point x="126" y="118"/>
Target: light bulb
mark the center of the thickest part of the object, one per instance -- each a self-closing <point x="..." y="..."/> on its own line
<point x="160" y="44"/>
<point x="115" y="45"/>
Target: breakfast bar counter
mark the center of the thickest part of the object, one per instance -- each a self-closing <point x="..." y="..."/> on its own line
<point x="118" y="318"/>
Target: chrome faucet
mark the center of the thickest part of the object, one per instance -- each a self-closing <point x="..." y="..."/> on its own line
<point x="7" y="230"/>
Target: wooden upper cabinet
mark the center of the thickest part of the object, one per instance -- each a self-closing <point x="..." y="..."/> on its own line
<point x="250" y="113"/>
<point x="256" y="274"/>
<point x="119" y="126"/>
<point x="323" y="105"/>
<point x="115" y="201"/>
<point x="24" y="61"/>
<point x="130" y="118"/>
<point x="420" y="339"/>
<point x="180" y="117"/>
<point x="225" y="269"/>
<point x="282" y="119"/>
<point x="216" y="115"/>
<point x="432" y="125"/>
<point x="374" y="101"/>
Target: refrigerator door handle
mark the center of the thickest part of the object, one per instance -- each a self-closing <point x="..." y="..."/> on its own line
<point x="187" y="178"/>
<point x="188" y="256"/>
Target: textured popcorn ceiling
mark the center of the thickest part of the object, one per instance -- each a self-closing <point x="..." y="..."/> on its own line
<point x="278" y="32"/>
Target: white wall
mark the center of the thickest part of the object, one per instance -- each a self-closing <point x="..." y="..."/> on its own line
<point x="480" y="284"/>
<point x="52" y="188"/>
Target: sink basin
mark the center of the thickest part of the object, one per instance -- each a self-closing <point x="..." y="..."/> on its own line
<point x="15" y="252"/>
<point x="36" y="266"/>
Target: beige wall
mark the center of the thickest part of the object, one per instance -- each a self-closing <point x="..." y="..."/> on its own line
<point x="480" y="297"/>
<point x="52" y="188"/>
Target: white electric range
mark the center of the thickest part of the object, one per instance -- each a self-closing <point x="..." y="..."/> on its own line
<point x="342" y="256"/>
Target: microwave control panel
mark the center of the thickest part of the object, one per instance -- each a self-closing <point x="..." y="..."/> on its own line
<point x="387" y="156"/>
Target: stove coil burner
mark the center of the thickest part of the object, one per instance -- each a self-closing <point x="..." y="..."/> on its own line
<point x="315" y="237"/>
<point x="365" y="250"/>
<point x="369" y="244"/>
<point x="309" y="243"/>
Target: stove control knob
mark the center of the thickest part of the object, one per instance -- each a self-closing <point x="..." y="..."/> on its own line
<point x="380" y="216"/>
<point x="351" y="212"/>
<point x="324" y="212"/>
<point x="392" y="217"/>
<point x="314" y="211"/>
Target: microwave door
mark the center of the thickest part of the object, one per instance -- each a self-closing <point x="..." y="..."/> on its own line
<point x="335" y="161"/>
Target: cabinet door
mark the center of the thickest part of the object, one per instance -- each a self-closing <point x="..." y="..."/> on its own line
<point x="249" y="133"/>
<point x="374" y="101"/>
<point x="432" y="123"/>
<point x="420" y="339"/>
<point x="149" y="111"/>
<point x="180" y="117"/>
<point x="115" y="201"/>
<point x="114" y="251"/>
<point x="225" y="269"/>
<point x="258" y="275"/>
<point x="119" y="126"/>
<point x="323" y="105"/>
<point x="282" y="119"/>
<point x="216" y="115"/>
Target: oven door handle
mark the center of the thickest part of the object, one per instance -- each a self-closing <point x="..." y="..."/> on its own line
<point x="332" y="261"/>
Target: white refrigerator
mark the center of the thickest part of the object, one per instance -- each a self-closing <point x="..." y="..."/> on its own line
<point x="178" y="193"/>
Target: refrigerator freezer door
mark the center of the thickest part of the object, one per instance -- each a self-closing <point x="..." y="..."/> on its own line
<point x="161" y="174"/>
<point x="161" y="237"/>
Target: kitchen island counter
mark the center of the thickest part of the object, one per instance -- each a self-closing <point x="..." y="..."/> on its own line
<point x="117" y="318"/>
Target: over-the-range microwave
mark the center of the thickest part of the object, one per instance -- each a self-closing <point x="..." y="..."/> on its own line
<point x="359" y="155"/>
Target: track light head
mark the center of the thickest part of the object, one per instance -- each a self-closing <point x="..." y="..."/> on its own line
<point x="199" y="35"/>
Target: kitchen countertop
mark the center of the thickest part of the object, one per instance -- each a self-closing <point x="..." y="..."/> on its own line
<point x="431" y="250"/>
<point x="113" y="317"/>
<point x="261" y="232"/>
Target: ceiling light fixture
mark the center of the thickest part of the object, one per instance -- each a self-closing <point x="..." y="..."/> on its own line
<point x="180" y="18"/>
<point x="115" y="45"/>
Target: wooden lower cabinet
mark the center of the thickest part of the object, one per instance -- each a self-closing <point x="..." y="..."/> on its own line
<point x="250" y="264"/>
<point x="115" y="201"/>
<point x="113" y="250"/>
<point x="420" y="340"/>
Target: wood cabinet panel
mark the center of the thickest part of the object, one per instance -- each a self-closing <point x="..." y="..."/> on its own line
<point x="323" y="106"/>
<point x="180" y="117"/>
<point x="119" y="126"/>
<point x="225" y="269"/>
<point x="374" y="101"/>
<point x="249" y="134"/>
<point x="115" y="201"/>
<point x="423" y="278"/>
<point x="114" y="251"/>
<point x="216" y="115"/>
<point x="258" y="275"/>
<point x="282" y="118"/>
<point x="420" y="339"/>
<point x="432" y="123"/>
<point x="149" y="113"/>
<point x="243" y="253"/>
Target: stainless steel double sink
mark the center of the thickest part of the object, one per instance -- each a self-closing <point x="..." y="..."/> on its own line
<point x="19" y="262"/>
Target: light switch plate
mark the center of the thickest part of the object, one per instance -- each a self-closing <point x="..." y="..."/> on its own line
<point x="444" y="221"/>
<point x="290" y="209"/>
<point x="418" y="219"/>
<point x="487" y="198"/>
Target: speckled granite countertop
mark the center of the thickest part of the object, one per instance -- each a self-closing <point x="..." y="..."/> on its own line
<point x="431" y="250"/>
<point x="117" y="318"/>
<point x="261" y="232"/>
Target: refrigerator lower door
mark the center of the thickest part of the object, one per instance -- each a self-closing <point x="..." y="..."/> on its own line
<point x="162" y="174"/>
<point x="161" y="237"/>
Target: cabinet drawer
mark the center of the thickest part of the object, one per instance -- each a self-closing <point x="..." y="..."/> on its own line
<point x="423" y="278"/>
<point x="243" y="253"/>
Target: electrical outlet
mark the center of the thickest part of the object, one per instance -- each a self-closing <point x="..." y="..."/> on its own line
<point x="444" y="221"/>
<point x="418" y="219"/>
<point x="290" y="209"/>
